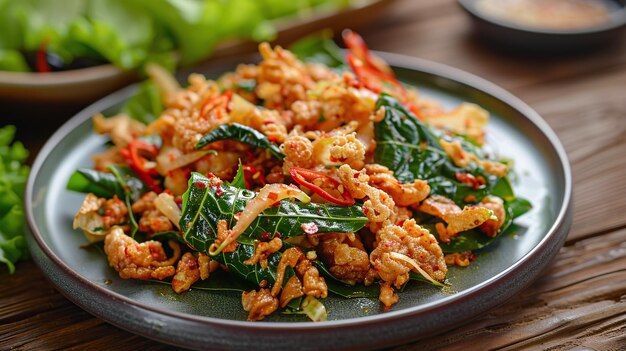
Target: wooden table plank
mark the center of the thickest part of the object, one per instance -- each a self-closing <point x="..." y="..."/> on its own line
<point x="579" y="301"/>
<point x="595" y="150"/>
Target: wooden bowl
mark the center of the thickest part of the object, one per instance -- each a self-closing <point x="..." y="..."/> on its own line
<point x="82" y="86"/>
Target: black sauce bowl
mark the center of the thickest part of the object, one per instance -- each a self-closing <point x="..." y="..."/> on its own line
<point x="533" y="40"/>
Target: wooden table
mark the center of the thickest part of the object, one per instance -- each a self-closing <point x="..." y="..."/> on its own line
<point x="579" y="302"/>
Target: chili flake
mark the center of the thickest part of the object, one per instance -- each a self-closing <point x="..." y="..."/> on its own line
<point x="309" y="228"/>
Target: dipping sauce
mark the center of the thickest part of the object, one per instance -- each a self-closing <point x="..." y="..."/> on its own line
<point x="549" y="14"/>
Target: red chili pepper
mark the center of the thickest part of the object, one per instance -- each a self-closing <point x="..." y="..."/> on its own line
<point x="251" y="174"/>
<point x="41" y="63"/>
<point x="373" y="72"/>
<point x="132" y="155"/>
<point x="467" y="178"/>
<point x="304" y="177"/>
<point x="222" y="99"/>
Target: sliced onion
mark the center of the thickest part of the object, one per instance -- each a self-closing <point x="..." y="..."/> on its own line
<point x="89" y="220"/>
<point x="165" y="204"/>
<point x="413" y="263"/>
<point x="321" y="150"/>
<point x="171" y="158"/>
<point x="314" y="309"/>
<point x="241" y="110"/>
<point x="164" y="80"/>
<point x="269" y="195"/>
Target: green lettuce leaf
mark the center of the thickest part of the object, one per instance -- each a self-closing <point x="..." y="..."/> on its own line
<point x="13" y="174"/>
<point x="203" y="208"/>
<point x="412" y="151"/>
<point x="12" y="60"/>
<point x="243" y="134"/>
<point x="130" y="33"/>
<point x="119" y="181"/>
<point x="145" y="105"/>
<point x="319" y="48"/>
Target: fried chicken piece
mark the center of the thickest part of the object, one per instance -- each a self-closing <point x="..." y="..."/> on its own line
<point x="313" y="284"/>
<point x="282" y="79"/>
<point x="207" y="265"/>
<point x="97" y="216"/>
<point x="259" y="304"/>
<point x="390" y="239"/>
<point x="306" y="113"/>
<point x="145" y="203"/>
<point x="340" y="103"/>
<point x="387" y="295"/>
<point x="292" y="290"/>
<point x="424" y="248"/>
<point x="402" y="214"/>
<point x="151" y="220"/>
<point x="495" y="204"/>
<point x="379" y="205"/>
<point x="121" y="128"/>
<point x="298" y="152"/>
<point x="187" y="273"/>
<point x="457" y="220"/>
<point x="115" y="212"/>
<point x="347" y="149"/>
<point x="275" y="132"/>
<point x="462" y="158"/>
<point x="106" y="158"/>
<point x="461" y="259"/>
<point x="263" y="250"/>
<point x="413" y="242"/>
<point x="468" y="119"/>
<point x="346" y="259"/>
<point x="188" y="131"/>
<point x="290" y="258"/>
<point x="154" y="222"/>
<point x="138" y="261"/>
<point x="403" y="194"/>
<point x="319" y="71"/>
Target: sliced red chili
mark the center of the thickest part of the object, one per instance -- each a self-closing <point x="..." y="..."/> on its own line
<point x="133" y="154"/>
<point x="41" y="63"/>
<point x="253" y="175"/>
<point x="468" y="178"/>
<point x="305" y="177"/>
<point x="373" y="72"/>
<point x="357" y="46"/>
<point x="221" y="100"/>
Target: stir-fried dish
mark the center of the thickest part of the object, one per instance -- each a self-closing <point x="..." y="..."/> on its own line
<point x="298" y="177"/>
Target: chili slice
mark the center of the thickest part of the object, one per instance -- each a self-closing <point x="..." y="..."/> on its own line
<point x="41" y="62"/>
<point x="373" y="72"/>
<point x="469" y="179"/>
<point x="251" y="174"/>
<point x="304" y="177"/>
<point x="132" y="155"/>
<point x="211" y="103"/>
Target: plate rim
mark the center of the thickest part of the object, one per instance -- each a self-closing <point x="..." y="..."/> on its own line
<point x="556" y="233"/>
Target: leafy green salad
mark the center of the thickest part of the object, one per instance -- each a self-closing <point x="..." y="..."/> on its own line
<point x="51" y="35"/>
<point x="13" y="174"/>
